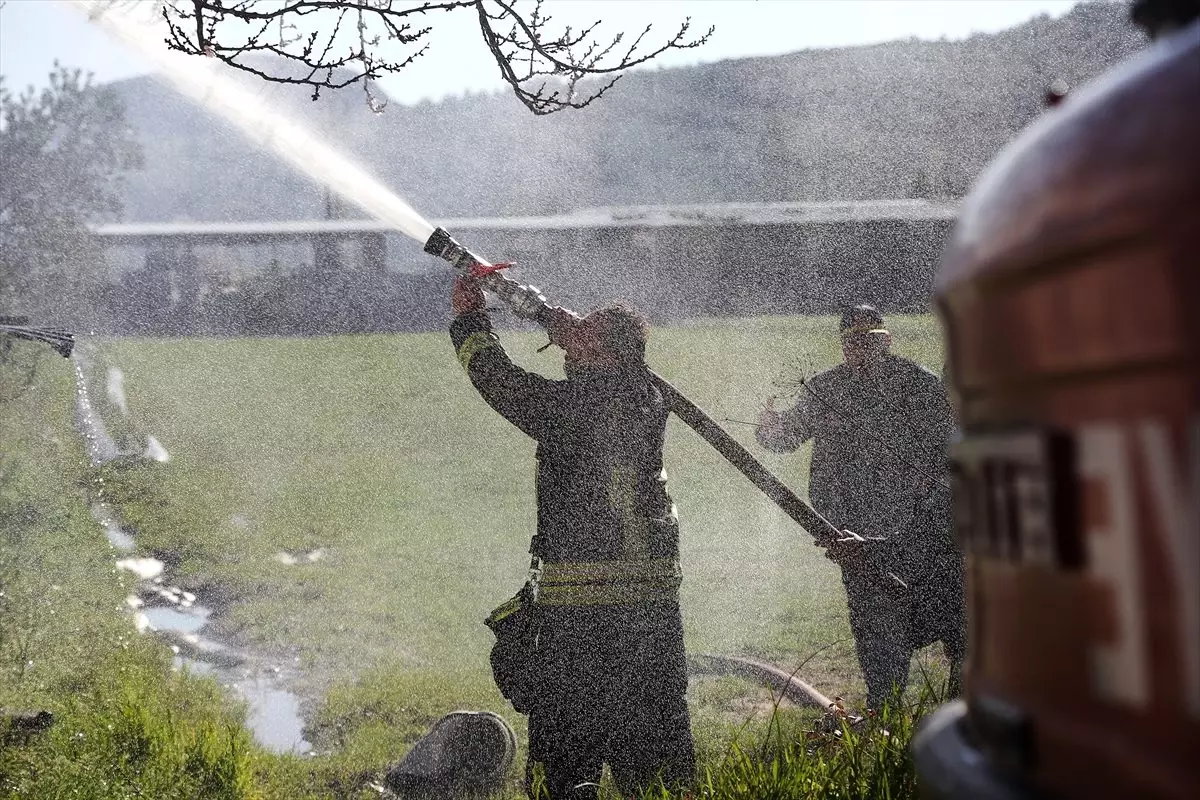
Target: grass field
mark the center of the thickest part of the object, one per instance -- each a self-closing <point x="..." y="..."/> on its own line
<point x="122" y="719"/>
<point x="378" y="449"/>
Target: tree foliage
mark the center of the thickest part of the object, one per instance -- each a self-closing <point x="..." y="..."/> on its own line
<point x="62" y="154"/>
<point x="334" y="43"/>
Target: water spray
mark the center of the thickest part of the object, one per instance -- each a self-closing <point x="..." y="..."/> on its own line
<point x="528" y="302"/>
<point x="199" y="80"/>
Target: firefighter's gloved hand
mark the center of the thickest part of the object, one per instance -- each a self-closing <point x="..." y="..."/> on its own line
<point x="851" y="549"/>
<point x="845" y="551"/>
<point x="466" y="296"/>
<point x="770" y="422"/>
<point x="563" y="323"/>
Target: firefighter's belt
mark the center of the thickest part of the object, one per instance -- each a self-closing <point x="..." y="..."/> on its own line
<point x="582" y="583"/>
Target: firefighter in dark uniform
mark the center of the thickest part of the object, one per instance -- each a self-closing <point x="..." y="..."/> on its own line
<point x="610" y="674"/>
<point x="880" y="427"/>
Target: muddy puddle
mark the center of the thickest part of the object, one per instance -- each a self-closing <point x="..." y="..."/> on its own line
<point x="176" y="616"/>
<point x="185" y="623"/>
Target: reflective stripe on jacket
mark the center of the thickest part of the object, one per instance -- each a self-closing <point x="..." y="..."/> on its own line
<point x="608" y="582"/>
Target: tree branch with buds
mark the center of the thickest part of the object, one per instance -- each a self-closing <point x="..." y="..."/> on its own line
<point x="332" y="44"/>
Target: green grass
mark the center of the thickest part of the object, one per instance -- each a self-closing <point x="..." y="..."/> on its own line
<point x="124" y="721"/>
<point x="850" y="762"/>
<point x="377" y="449"/>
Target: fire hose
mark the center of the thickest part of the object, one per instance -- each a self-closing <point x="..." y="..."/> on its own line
<point x="527" y="302"/>
<point x="18" y="328"/>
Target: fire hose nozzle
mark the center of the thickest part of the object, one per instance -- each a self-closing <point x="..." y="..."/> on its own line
<point x="60" y="341"/>
<point x="442" y="245"/>
<point x="526" y="302"/>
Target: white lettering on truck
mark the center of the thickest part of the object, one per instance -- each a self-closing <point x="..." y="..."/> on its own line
<point x="1099" y="501"/>
<point x="1175" y="498"/>
<point x="1118" y="664"/>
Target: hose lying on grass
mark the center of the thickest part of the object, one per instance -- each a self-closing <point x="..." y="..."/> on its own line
<point x="775" y="678"/>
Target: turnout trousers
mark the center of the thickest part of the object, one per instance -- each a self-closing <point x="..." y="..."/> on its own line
<point x="890" y="623"/>
<point x="879" y="620"/>
<point x="613" y="684"/>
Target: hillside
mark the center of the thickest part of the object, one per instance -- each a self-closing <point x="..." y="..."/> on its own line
<point x="901" y="119"/>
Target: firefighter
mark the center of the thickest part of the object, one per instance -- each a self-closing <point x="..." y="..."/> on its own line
<point x="880" y="426"/>
<point x="609" y="674"/>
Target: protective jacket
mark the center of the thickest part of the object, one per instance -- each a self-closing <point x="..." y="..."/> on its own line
<point x="607" y="673"/>
<point x="606" y="531"/>
<point x="880" y="438"/>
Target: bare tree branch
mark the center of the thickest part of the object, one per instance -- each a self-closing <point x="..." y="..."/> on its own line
<point x="308" y="42"/>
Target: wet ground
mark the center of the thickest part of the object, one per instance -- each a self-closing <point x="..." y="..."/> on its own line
<point x="177" y="616"/>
